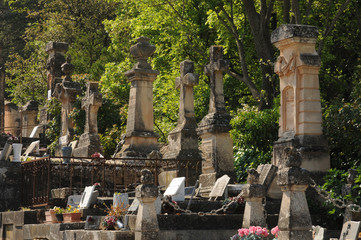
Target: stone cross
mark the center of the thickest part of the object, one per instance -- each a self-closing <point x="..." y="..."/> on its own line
<point x="140" y="137"/>
<point x="300" y="122"/>
<point x="215" y="70"/>
<point x="91" y="103"/>
<point x="185" y="83"/>
<point x="217" y="145"/>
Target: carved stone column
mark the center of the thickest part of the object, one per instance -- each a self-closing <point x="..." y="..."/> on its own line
<point x="300" y="114"/>
<point x="147" y="223"/>
<point x="140" y="138"/>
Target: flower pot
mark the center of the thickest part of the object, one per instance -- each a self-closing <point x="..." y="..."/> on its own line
<point x="17" y="147"/>
<point x="72" y="217"/>
<point x="50" y="217"/>
<point x="59" y="217"/>
<point x="66" y="152"/>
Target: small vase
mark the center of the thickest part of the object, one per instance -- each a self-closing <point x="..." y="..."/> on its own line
<point x="17" y="147"/>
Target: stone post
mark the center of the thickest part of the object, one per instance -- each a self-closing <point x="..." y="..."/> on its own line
<point x="217" y="145"/>
<point x="66" y="92"/>
<point x="294" y="220"/>
<point x="147" y="223"/>
<point x="300" y="113"/>
<point x="253" y="193"/>
<point x="2" y="92"/>
<point x="89" y="141"/>
<point x="183" y="140"/>
<point x="140" y="138"/>
<point x="56" y="51"/>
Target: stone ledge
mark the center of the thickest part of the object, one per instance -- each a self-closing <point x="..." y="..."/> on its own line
<point x="293" y="30"/>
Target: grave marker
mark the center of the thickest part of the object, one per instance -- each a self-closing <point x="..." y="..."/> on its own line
<point x="120" y="200"/>
<point x="219" y="187"/>
<point x="74" y="201"/>
<point x="350" y="230"/>
<point x="5" y="153"/>
<point x="89" y="197"/>
<point x="176" y="189"/>
<point x="33" y="146"/>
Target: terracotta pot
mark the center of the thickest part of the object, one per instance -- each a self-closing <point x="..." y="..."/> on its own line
<point x="72" y="217"/>
<point x="50" y="217"/>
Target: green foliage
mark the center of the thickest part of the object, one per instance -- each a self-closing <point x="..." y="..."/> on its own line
<point x="53" y="131"/>
<point x="253" y="135"/>
<point x="110" y="139"/>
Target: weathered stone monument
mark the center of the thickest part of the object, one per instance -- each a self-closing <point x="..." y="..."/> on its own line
<point x="140" y="139"/>
<point x="56" y="51"/>
<point x="217" y="145"/>
<point x="147" y="223"/>
<point x="300" y="113"/>
<point x="2" y="92"/>
<point x="253" y="193"/>
<point x="183" y="140"/>
<point x="29" y="114"/>
<point x="294" y="221"/>
<point x="66" y="92"/>
<point x="89" y="141"/>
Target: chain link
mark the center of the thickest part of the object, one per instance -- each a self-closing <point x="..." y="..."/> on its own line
<point x="224" y="208"/>
<point x="336" y="202"/>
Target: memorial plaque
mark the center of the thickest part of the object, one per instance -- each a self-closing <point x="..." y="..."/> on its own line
<point x="350" y="230"/>
<point x="120" y="200"/>
<point x="5" y="153"/>
<point x="33" y="146"/>
<point x="92" y="222"/>
<point x="89" y="196"/>
<point x="74" y="201"/>
<point x="219" y="187"/>
<point x="176" y="189"/>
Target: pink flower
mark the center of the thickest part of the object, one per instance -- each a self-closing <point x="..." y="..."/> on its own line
<point x="275" y="231"/>
<point x="246" y="232"/>
<point x="259" y="231"/>
<point x="241" y="232"/>
<point x="252" y="229"/>
<point x="265" y="232"/>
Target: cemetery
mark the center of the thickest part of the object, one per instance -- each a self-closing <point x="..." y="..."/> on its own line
<point x="187" y="187"/>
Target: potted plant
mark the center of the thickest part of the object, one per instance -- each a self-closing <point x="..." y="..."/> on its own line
<point x="50" y="216"/>
<point x="72" y="215"/>
<point x="114" y="219"/>
<point x="59" y="214"/>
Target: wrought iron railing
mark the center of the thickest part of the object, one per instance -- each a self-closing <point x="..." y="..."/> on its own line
<point x="42" y="175"/>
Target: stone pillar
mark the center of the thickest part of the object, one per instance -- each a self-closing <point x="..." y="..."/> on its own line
<point x="294" y="221"/>
<point x="183" y="140"/>
<point x="2" y="92"/>
<point x="140" y="138"/>
<point x="253" y="193"/>
<point x="66" y="92"/>
<point x="56" y="51"/>
<point x="29" y="114"/>
<point x="147" y="223"/>
<point x="89" y="141"/>
<point x="300" y="114"/>
<point x="217" y="145"/>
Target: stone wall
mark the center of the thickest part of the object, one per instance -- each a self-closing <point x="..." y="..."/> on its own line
<point x="10" y="186"/>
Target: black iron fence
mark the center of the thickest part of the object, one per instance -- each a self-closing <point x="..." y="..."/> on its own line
<point x="42" y="175"/>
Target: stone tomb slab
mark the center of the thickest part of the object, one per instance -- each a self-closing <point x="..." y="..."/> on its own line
<point x="219" y="187"/>
<point x="176" y="189"/>
<point x="206" y="183"/>
<point x="89" y="196"/>
<point x="350" y="230"/>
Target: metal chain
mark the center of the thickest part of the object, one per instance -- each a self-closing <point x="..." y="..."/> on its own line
<point x="336" y="202"/>
<point x="224" y="208"/>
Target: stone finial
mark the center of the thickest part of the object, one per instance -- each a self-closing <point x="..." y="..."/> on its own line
<point x="253" y="176"/>
<point x="68" y="69"/>
<point x="147" y="177"/>
<point x="142" y="51"/>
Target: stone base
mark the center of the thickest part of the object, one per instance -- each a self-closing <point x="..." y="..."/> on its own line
<point x="88" y="144"/>
<point x="146" y="235"/>
<point x="294" y="235"/>
<point x="138" y="146"/>
<point x="313" y="149"/>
